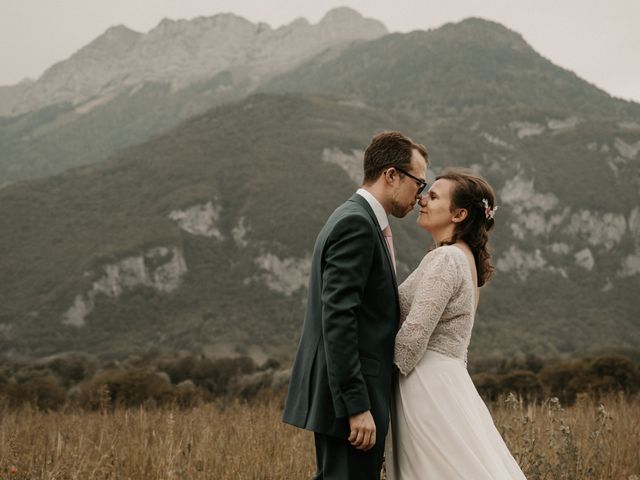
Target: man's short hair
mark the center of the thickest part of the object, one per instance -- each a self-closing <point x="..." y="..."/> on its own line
<point x="389" y="149"/>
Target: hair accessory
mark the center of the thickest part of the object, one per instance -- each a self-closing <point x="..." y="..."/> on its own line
<point x="488" y="211"/>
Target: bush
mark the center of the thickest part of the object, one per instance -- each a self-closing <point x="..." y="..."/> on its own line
<point x="488" y="386"/>
<point x="73" y="368"/>
<point x="598" y="376"/>
<point x="215" y="376"/>
<point x="43" y="392"/>
<point x="611" y="373"/>
<point x="179" y="370"/>
<point x="188" y="395"/>
<point x="247" y="387"/>
<point x="523" y="383"/>
<point x="562" y="380"/>
<point x="126" y="388"/>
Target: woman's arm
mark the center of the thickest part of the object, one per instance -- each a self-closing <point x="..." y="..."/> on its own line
<point x="433" y="292"/>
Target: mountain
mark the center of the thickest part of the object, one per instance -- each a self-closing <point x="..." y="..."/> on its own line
<point x="458" y="68"/>
<point x="200" y="240"/>
<point x="564" y="155"/>
<point x="126" y="86"/>
<point x="197" y="239"/>
<point x="200" y="237"/>
<point x="184" y="52"/>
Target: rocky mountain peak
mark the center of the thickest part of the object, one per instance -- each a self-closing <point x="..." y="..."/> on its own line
<point x="341" y="14"/>
<point x="344" y="18"/>
<point x="121" y="30"/>
<point x="299" y="22"/>
<point x="115" y="40"/>
<point x="183" y="52"/>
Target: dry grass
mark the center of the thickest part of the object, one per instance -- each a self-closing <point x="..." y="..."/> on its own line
<point x="249" y="442"/>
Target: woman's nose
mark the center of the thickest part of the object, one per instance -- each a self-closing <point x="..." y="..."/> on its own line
<point x="422" y="201"/>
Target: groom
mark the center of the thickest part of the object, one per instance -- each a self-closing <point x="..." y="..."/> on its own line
<point x="340" y="385"/>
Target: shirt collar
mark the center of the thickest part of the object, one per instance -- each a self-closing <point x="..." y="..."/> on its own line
<point x="377" y="208"/>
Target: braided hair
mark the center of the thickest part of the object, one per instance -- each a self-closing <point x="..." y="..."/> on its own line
<point x="474" y="194"/>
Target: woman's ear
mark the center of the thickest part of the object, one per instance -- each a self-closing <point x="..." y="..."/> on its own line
<point x="459" y="215"/>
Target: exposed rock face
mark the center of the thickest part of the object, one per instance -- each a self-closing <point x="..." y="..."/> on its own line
<point x="600" y="229"/>
<point x="199" y="220"/>
<point x="555" y="124"/>
<point x="627" y="150"/>
<point x="527" y="129"/>
<point x="633" y="126"/>
<point x="160" y="268"/>
<point x="531" y="208"/>
<point x="631" y="263"/>
<point x="183" y="52"/>
<point x="584" y="259"/>
<point x="496" y="141"/>
<point x="520" y="262"/>
<point x="78" y="311"/>
<point x="630" y="266"/>
<point x="560" y="248"/>
<point x="539" y="214"/>
<point x="618" y="153"/>
<point x="239" y="233"/>
<point x="350" y="163"/>
<point x="284" y="275"/>
<point x="522" y="194"/>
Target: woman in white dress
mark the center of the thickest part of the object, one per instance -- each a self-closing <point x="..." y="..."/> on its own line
<point x="441" y="428"/>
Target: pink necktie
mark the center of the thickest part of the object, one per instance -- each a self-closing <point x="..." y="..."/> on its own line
<point x="389" y="239"/>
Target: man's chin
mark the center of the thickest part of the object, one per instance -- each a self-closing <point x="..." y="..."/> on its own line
<point x="401" y="213"/>
<point x="409" y="210"/>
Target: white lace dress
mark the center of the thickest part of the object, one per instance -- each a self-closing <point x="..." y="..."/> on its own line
<point x="441" y="428"/>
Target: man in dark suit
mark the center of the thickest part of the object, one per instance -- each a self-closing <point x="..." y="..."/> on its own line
<point x="341" y="381"/>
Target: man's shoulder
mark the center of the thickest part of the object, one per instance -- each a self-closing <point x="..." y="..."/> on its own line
<point x="353" y="210"/>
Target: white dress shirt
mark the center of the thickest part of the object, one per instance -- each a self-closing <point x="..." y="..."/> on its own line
<point x="377" y="208"/>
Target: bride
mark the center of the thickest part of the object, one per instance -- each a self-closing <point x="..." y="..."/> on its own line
<point x="441" y="427"/>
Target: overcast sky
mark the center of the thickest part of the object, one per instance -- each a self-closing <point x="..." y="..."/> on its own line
<point x="597" y="39"/>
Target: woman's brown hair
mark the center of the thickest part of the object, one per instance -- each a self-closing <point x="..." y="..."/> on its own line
<point x="469" y="192"/>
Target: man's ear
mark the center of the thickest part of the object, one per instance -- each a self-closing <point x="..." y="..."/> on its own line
<point x="388" y="174"/>
<point x="460" y="215"/>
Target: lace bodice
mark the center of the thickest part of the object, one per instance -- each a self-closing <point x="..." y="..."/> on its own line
<point x="437" y="308"/>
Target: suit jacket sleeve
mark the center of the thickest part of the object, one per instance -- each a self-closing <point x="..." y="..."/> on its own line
<point x="347" y="263"/>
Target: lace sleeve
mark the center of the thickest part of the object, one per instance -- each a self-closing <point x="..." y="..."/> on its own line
<point x="433" y="291"/>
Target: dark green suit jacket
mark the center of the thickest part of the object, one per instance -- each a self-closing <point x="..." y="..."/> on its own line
<point x="344" y="361"/>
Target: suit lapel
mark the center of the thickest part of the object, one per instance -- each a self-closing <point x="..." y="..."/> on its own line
<point x="360" y="200"/>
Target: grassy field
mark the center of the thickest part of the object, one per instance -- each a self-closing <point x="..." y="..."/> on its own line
<point x="240" y="441"/>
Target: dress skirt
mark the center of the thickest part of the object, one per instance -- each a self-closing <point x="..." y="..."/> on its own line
<point x="442" y="429"/>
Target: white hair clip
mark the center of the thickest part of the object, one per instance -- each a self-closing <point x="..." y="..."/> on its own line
<point x="488" y="211"/>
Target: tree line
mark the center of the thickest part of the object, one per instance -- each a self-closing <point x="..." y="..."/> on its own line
<point x="79" y="380"/>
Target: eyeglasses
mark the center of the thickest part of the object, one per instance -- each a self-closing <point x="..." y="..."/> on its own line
<point x="421" y="183"/>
